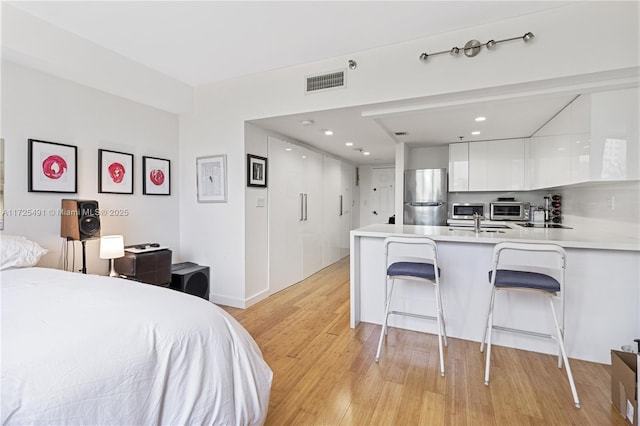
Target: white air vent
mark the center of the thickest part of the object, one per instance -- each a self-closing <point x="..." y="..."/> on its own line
<point x="319" y="82"/>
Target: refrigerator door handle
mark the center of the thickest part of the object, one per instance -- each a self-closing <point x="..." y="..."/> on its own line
<point x="426" y="204"/>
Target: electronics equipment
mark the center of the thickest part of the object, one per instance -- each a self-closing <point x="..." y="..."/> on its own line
<point x="466" y="210"/>
<point x="142" y="248"/>
<point x="152" y="267"/>
<point x="80" y="220"/>
<point x="190" y="278"/>
<point x="509" y="210"/>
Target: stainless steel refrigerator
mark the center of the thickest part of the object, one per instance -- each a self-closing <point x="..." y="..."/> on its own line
<point x="425" y="197"/>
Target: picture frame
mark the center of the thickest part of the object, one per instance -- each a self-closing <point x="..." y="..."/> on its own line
<point x="115" y="172"/>
<point x="53" y="167"/>
<point x="156" y="176"/>
<point x="256" y="171"/>
<point x="211" y="179"/>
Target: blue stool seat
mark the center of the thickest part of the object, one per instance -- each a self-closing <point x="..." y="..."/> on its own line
<point x="412" y="269"/>
<point x="525" y="279"/>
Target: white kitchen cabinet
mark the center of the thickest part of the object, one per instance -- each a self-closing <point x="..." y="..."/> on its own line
<point x="497" y="165"/>
<point x="295" y="213"/>
<point x="459" y="167"/>
<point x="615" y="146"/>
<point x="550" y="161"/>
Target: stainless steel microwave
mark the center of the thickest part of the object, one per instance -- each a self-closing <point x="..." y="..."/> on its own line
<point x="509" y="210"/>
<point x="466" y="210"/>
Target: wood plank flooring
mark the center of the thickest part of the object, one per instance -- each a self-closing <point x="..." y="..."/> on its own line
<point x="325" y="372"/>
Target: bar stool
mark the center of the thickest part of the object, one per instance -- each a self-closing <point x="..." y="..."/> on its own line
<point x="532" y="268"/>
<point x="416" y="259"/>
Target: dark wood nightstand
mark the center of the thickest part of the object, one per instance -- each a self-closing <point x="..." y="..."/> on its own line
<point x="152" y="267"/>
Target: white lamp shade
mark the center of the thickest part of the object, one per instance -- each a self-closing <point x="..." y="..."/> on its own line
<point x="111" y="246"/>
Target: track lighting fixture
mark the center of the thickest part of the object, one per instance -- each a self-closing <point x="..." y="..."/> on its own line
<point x="352" y="64"/>
<point x="473" y="47"/>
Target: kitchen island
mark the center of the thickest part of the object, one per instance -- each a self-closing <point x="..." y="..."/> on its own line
<point x="602" y="292"/>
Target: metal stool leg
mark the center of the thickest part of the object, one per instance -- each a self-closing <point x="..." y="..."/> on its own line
<point x="383" y="332"/>
<point x="488" y="332"/>
<point x="574" y="392"/>
<point x="486" y="325"/>
<point x="442" y="315"/>
<point x="440" y="328"/>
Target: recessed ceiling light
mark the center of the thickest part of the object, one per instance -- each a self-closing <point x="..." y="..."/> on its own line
<point x="304" y="156"/>
<point x="366" y="153"/>
<point x="475" y="133"/>
<point x="349" y="143"/>
<point x="481" y="118"/>
<point x="287" y="149"/>
<point x="328" y="132"/>
<point x="307" y="122"/>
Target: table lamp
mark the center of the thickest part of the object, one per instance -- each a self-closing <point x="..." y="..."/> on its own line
<point x="112" y="247"/>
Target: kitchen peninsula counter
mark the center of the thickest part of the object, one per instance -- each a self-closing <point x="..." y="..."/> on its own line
<point x="602" y="287"/>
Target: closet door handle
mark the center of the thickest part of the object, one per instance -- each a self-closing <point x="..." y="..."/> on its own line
<point x="340" y="205"/>
<point x="305" y="207"/>
<point x="301" y="207"/>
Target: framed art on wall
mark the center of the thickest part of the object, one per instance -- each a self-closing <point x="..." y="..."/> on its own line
<point x="53" y="167"/>
<point x="256" y="171"/>
<point x="156" y="176"/>
<point x="115" y="172"/>
<point x="211" y="179"/>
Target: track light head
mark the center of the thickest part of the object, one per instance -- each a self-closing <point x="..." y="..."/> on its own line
<point x="454" y="51"/>
<point x="527" y="37"/>
<point x="491" y="44"/>
<point x="352" y="64"/>
<point x="424" y="57"/>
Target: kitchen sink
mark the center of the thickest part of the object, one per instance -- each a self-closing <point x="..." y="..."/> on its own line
<point x="483" y="229"/>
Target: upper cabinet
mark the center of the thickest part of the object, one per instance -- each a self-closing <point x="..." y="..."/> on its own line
<point x="614" y="147"/>
<point x="594" y="139"/>
<point x="487" y="166"/>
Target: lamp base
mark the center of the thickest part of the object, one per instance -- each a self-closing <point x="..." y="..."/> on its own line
<point x="112" y="270"/>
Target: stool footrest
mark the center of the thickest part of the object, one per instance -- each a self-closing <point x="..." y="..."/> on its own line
<point x="528" y="333"/>
<point x="409" y="314"/>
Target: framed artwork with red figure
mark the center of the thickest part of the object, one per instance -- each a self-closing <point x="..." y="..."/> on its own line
<point x="53" y="167"/>
<point x="115" y="172"/>
<point x="156" y="176"/>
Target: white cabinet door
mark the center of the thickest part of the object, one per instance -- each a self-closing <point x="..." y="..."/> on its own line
<point x="348" y="180"/>
<point x="615" y="148"/>
<point x="332" y="178"/>
<point x="497" y="165"/>
<point x="459" y="167"/>
<point x="550" y="161"/>
<point x="285" y="215"/>
<point x="313" y="222"/>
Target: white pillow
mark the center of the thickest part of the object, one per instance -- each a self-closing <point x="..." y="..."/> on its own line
<point x="19" y="252"/>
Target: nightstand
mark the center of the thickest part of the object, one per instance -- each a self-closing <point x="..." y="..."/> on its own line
<point x="152" y="267"/>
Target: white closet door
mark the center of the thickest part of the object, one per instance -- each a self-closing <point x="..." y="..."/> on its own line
<point x="312" y="223"/>
<point x="285" y="214"/>
<point x="348" y="181"/>
<point x="331" y="208"/>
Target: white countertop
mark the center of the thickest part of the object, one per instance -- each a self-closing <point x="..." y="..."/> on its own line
<point x="567" y="238"/>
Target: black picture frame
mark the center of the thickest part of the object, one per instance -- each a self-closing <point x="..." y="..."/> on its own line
<point x="156" y="176"/>
<point x="53" y="167"/>
<point x="256" y="171"/>
<point x="115" y="172"/>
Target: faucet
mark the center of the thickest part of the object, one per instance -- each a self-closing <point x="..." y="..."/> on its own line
<point x="476" y="222"/>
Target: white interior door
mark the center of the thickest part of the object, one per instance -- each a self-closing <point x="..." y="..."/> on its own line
<point x="312" y="224"/>
<point x="348" y="180"/>
<point x="382" y="195"/>
<point x="331" y="208"/>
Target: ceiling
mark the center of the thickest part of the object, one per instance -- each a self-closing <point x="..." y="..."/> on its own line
<point x="201" y="42"/>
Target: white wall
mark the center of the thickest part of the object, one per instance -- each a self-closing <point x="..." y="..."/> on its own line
<point x="215" y="234"/>
<point x="428" y="158"/>
<point x="40" y="106"/>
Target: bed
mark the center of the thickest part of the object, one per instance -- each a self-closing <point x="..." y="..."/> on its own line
<point x="93" y="350"/>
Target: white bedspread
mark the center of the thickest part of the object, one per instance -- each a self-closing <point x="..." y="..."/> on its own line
<point x="90" y="350"/>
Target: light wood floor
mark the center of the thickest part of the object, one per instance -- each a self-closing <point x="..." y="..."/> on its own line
<point x="325" y="372"/>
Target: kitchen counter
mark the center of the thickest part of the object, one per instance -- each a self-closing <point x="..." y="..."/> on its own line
<point x="567" y="238"/>
<point x="602" y="287"/>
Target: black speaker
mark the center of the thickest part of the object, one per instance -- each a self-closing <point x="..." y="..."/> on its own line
<point x="190" y="278"/>
<point x="80" y="220"/>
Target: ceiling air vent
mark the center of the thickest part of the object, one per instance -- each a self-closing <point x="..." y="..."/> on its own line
<point x="331" y="80"/>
